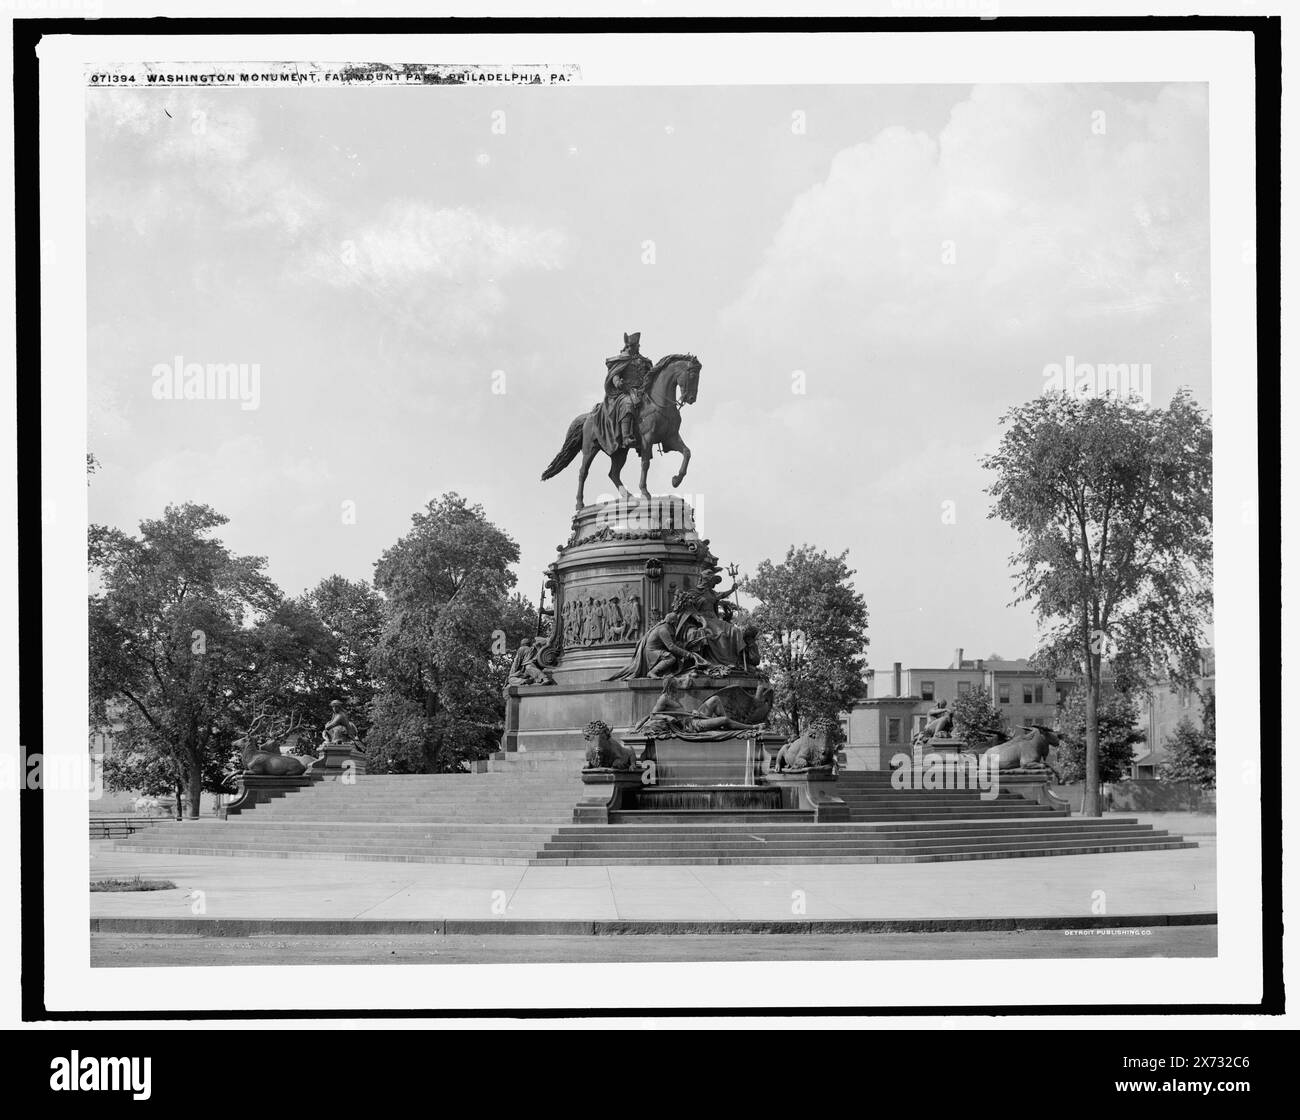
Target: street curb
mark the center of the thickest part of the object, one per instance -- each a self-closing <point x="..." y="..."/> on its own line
<point x="254" y="927"/>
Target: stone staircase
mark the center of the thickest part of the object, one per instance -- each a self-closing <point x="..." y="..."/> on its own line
<point x="520" y="811"/>
<point x="871" y="797"/>
<point x="502" y="816"/>
<point x="849" y="843"/>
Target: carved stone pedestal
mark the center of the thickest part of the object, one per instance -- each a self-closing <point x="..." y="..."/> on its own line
<point x="810" y="790"/>
<point x="257" y="789"/>
<point x="616" y="577"/>
<point x="339" y="758"/>
<point x="1033" y="785"/>
<point x="603" y="792"/>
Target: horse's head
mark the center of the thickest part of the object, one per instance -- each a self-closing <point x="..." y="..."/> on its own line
<point x="688" y="381"/>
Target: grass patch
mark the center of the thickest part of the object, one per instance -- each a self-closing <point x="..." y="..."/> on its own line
<point x="136" y="884"/>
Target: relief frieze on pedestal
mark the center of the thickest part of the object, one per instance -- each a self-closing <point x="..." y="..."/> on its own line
<point x="602" y="615"/>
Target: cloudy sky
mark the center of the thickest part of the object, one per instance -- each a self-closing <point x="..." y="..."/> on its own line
<point x="918" y="254"/>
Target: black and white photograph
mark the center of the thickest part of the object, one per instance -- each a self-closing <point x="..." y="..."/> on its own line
<point x="651" y="521"/>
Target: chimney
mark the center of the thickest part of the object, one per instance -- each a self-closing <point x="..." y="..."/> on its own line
<point x="957" y="660"/>
<point x="898" y="678"/>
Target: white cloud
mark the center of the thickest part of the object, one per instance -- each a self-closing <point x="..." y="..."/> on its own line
<point x="162" y="161"/>
<point x="1017" y="217"/>
<point x="440" y="270"/>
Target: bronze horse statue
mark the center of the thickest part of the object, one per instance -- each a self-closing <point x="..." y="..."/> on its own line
<point x="658" y="422"/>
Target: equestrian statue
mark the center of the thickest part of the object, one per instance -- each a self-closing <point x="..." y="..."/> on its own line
<point x="641" y="409"/>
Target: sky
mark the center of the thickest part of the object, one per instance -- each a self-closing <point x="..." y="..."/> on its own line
<point x="429" y="279"/>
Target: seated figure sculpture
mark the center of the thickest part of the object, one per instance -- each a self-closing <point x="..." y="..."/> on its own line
<point x="659" y="654"/>
<point x="671" y="718"/>
<point x="340" y="728"/>
<point x="525" y="668"/>
<point x="938" y="724"/>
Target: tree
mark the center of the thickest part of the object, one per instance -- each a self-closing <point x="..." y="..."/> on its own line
<point x="1191" y="749"/>
<point x="450" y="628"/>
<point x="1112" y="504"/>
<point x="976" y="718"/>
<point x="171" y="638"/>
<point x="295" y="661"/>
<point x="813" y="626"/>
<point x="352" y="613"/>
<point x="1117" y="735"/>
<point x="128" y="771"/>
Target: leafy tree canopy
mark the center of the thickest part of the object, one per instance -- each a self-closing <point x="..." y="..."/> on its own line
<point x="813" y="626"/>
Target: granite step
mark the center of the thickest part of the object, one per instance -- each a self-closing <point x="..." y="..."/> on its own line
<point x="770" y="835"/>
<point x="833" y="859"/>
<point x="843" y="849"/>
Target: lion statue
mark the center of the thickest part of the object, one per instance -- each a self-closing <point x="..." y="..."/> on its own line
<point x="605" y="752"/>
<point x="813" y="750"/>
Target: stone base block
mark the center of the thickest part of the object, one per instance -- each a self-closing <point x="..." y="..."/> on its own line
<point x="604" y="791"/>
<point x="553" y="717"/>
<point x="257" y="789"/>
<point x="339" y="758"/>
<point x="810" y="790"/>
<point x="1033" y="786"/>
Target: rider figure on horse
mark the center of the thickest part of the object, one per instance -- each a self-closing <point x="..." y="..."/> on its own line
<point x="624" y="376"/>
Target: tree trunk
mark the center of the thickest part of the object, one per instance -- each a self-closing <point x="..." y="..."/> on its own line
<point x="196" y="788"/>
<point x="1092" y="753"/>
<point x="431" y="747"/>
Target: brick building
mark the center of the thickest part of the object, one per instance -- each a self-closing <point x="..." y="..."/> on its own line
<point x="897" y="701"/>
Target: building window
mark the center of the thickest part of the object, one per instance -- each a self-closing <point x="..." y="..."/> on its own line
<point x="1004" y="694"/>
<point x="1027" y="695"/>
<point x="927" y="690"/>
<point x="895" y="729"/>
<point x="1038" y="694"/>
<point x="963" y="687"/>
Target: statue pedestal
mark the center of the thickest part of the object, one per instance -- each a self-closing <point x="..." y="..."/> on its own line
<point x="603" y="792"/>
<point x="339" y="758"/>
<point x="811" y="790"/>
<point x="945" y="748"/>
<point x="258" y="789"/>
<point x="616" y="577"/>
<point x="1034" y="785"/>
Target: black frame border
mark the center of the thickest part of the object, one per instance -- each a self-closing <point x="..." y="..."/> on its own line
<point x="27" y="34"/>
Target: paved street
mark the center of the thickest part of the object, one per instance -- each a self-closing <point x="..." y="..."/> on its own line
<point x="1132" y="883"/>
<point x="152" y="951"/>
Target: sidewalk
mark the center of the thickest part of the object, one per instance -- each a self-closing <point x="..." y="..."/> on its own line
<point x="1178" y="882"/>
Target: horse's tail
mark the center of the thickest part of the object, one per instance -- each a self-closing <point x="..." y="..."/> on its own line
<point x="572" y="445"/>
